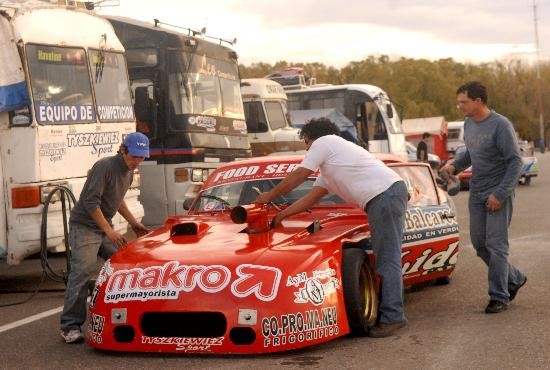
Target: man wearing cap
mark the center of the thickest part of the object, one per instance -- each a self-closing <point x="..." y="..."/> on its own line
<point x="91" y="232"/>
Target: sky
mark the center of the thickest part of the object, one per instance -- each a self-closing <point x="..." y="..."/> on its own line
<point x="336" y="32"/>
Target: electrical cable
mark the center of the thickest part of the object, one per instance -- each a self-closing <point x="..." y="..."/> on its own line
<point x="47" y="270"/>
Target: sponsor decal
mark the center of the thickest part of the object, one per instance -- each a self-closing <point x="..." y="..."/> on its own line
<point x="253" y="172"/>
<point x="93" y="298"/>
<point x="55" y="151"/>
<point x="203" y="121"/>
<point x="104" y="273"/>
<point x="168" y="280"/>
<point x="423" y="224"/>
<point x="274" y="89"/>
<point x="210" y="69"/>
<point x="64" y="113"/>
<point x="56" y="132"/>
<point x="240" y="126"/>
<point x="422" y="262"/>
<point x="419" y="218"/>
<point x="115" y="112"/>
<point x="313" y="289"/>
<point x="96" y="323"/>
<point x="185" y="344"/>
<point x="100" y="142"/>
<point x="300" y="327"/>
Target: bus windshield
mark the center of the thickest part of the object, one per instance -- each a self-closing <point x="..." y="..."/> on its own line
<point x="210" y="86"/>
<point x="60" y="84"/>
<point x="110" y="80"/>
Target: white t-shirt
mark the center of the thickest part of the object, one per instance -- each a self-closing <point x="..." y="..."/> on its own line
<point x="348" y="170"/>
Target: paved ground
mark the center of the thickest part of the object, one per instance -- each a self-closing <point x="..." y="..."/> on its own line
<point x="447" y="326"/>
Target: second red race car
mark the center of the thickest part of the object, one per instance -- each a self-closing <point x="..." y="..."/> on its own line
<point x="220" y="280"/>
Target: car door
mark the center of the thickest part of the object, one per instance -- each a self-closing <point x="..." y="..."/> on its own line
<point x="430" y="239"/>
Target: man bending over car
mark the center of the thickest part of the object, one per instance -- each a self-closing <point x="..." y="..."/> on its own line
<point x="355" y="175"/>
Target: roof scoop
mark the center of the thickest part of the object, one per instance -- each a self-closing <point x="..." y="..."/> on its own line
<point x="255" y="215"/>
<point x="188" y="229"/>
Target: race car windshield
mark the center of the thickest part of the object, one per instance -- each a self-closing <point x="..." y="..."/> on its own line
<point x="246" y="192"/>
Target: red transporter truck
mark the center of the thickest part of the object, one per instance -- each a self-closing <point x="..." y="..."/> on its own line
<point x="435" y="126"/>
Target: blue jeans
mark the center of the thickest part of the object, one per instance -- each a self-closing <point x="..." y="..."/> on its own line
<point x="386" y="214"/>
<point x="85" y="244"/>
<point x="489" y="234"/>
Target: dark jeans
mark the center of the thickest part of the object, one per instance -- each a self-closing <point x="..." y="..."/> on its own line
<point x="386" y="214"/>
<point x="489" y="234"/>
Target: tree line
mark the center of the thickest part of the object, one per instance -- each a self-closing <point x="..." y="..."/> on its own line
<point x="423" y="88"/>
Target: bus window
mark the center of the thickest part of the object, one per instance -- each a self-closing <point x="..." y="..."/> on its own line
<point x="194" y="93"/>
<point x="145" y="107"/>
<point x="294" y="102"/>
<point x="275" y="114"/>
<point x="60" y="84"/>
<point x="376" y="124"/>
<point x="255" y="117"/>
<point x="231" y="96"/>
<point x="109" y="77"/>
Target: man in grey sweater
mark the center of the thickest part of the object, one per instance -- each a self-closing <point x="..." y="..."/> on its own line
<point x="91" y="230"/>
<point x="493" y="153"/>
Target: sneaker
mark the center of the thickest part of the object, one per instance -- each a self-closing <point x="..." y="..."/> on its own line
<point x="383" y="329"/>
<point x="496" y="307"/>
<point x="72" y="336"/>
<point x="514" y="292"/>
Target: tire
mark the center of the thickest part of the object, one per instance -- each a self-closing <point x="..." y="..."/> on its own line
<point x="360" y="291"/>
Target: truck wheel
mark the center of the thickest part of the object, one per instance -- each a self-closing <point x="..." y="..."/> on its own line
<point x="360" y="291"/>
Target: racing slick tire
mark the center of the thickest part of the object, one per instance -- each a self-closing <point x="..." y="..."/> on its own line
<point x="360" y="291"/>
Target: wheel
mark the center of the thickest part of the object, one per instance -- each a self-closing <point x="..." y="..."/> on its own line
<point x="360" y="292"/>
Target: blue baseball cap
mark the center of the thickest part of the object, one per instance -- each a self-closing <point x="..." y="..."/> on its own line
<point x="137" y="144"/>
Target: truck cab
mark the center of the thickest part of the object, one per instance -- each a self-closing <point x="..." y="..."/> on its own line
<point x="267" y="119"/>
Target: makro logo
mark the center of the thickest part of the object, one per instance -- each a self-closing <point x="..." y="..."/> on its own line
<point x="167" y="281"/>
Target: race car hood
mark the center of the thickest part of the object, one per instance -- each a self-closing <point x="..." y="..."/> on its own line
<point x="214" y="237"/>
<point x="208" y="252"/>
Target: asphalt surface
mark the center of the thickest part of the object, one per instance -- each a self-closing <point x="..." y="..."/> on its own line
<point x="447" y="329"/>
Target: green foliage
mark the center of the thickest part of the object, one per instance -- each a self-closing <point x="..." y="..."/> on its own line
<point x="423" y="88"/>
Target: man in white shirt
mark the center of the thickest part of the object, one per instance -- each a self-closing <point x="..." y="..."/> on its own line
<point x="358" y="177"/>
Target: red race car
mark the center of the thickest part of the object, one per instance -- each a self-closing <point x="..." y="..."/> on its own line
<point x="220" y="280"/>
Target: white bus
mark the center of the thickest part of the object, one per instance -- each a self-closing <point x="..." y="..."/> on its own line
<point x="266" y="114"/>
<point x="368" y="107"/>
<point x="64" y="103"/>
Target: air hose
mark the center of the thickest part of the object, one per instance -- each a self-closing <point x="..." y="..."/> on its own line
<point x="65" y="194"/>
